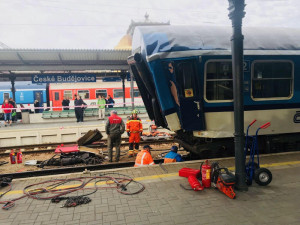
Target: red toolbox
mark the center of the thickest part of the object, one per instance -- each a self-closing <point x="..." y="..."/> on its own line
<point x="186" y="172"/>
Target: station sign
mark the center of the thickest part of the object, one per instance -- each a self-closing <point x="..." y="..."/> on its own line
<point x="112" y="79"/>
<point x="63" y="78"/>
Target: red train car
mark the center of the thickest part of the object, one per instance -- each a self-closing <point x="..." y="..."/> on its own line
<point x="89" y="92"/>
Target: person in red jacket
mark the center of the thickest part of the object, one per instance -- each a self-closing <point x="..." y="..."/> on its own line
<point x="7" y="108"/>
<point x="134" y="130"/>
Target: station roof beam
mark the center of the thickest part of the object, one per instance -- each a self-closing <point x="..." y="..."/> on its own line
<point x="62" y="59"/>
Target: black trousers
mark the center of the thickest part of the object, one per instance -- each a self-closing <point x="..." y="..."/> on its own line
<point x="79" y="114"/>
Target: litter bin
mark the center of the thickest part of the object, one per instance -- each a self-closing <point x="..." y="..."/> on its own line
<point x="25" y="117"/>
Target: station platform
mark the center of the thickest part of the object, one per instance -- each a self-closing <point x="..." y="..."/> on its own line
<point x="164" y="202"/>
<point x="20" y="134"/>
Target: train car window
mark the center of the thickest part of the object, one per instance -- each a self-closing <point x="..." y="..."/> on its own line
<point x="56" y="96"/>
<point x="136" y="93"/>
<point x="272" y="79"/>
<point x="68" y="94"/>
<point x="101" y="92"/>
<point x="5" y="96"/>
<point x="118" y="93"/>
<point x="84" y="94"/>
<point x="219" y="86"/>
<point x="185" y="79"/>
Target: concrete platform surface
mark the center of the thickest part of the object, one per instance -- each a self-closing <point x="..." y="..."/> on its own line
<point x="58" y="123"/>
<point x="165" y="202"/>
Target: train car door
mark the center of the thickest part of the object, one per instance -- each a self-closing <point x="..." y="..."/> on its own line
<point x="38" y="95"/>
<point x="189" y="95"/>
<point x="56" y="100"/>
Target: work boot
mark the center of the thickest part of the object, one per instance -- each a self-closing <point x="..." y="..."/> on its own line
<point x="130" y="153"/>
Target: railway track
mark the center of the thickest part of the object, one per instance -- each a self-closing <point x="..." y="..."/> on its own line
<point x="80" y="167"/>
<point x="47" y="148"/>
<point x="73" y="169"/>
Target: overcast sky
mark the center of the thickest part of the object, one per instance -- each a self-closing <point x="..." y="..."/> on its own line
<point x="95" y="24"/>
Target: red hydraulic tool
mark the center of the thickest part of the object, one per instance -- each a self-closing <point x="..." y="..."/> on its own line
<point x="186" y="172"/>
<point x="192" y="175"/>
<point x="195" y="184"/>
<point x="66" y="149"/>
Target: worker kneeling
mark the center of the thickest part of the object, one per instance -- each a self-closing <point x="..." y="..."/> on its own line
<point x="134" y="130"/>
<point x="144" y="157"/>
<point x="173" y="156"/>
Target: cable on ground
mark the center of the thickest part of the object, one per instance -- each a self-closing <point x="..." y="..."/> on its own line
<point x="56" y="192"/>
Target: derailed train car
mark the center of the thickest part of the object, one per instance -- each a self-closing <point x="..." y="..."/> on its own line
<point x="184" y="74"/>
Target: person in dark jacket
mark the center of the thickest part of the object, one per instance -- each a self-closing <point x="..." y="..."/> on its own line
<point x="110" y="102"/>
<point x="79" y="107"/>
<point x="66" y="103"/>
<point x="114" y="128"/>
<point x="36" y="104"/>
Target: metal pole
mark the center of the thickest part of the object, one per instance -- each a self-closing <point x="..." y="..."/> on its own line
<point x="13" y="89"/>
<point x="132" y="89"/>
<point x="123" y="86"/>
<point x="236" y="14"/>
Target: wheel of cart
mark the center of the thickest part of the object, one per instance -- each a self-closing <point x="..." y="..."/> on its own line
<point x="262" y="176"/>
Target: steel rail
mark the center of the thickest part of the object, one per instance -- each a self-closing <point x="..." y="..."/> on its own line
<point x="74" y="169"/>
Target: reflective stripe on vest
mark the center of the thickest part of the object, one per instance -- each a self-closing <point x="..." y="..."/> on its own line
<point x="143" y="159"/>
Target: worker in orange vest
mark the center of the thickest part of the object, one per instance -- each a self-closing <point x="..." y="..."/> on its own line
<point x="134" y="130"/>
<point x="144" y="157"/>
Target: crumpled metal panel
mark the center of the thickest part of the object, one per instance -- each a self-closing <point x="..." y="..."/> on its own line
<point x="158" y="39"/>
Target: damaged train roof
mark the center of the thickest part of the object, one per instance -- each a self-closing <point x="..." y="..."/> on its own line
<point x="162" y="39"/>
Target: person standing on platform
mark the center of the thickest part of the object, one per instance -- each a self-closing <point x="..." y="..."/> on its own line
<point x="7" y="109"/>
<point x="114" y="128"/>
<point x="36" y="105"/>
<point x="101" y="103"/>
<point x="110" y="102"/>
<point x="144" y="157"/>
<point x="173" y="156"/>
<point x="66" y="103"/>
<point x="79" y="104"/>
<point x="134" y="130"/>
<point x="14" y="111"/>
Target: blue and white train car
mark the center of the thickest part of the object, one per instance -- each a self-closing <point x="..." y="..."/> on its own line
<point x="184" y="74"/>
<point x="26" y="92"/>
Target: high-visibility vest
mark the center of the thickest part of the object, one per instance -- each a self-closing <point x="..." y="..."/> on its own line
<point x="168" y="160"/>
<point x="134" y="125"/>
<point x="172" y="157"/>
<point x="143" y="158"/>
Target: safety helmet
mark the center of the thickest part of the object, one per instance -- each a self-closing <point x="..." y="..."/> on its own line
<point x="174" y="148"/>
<point x="134" y="111"/>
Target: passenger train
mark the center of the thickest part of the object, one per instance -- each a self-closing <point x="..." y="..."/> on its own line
<point x="184" y="74"/>
<point x="26" y="93"/>
<point x="89" y="92"/>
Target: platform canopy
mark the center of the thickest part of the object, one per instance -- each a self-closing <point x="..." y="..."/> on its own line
<point x="18" y="60"/>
